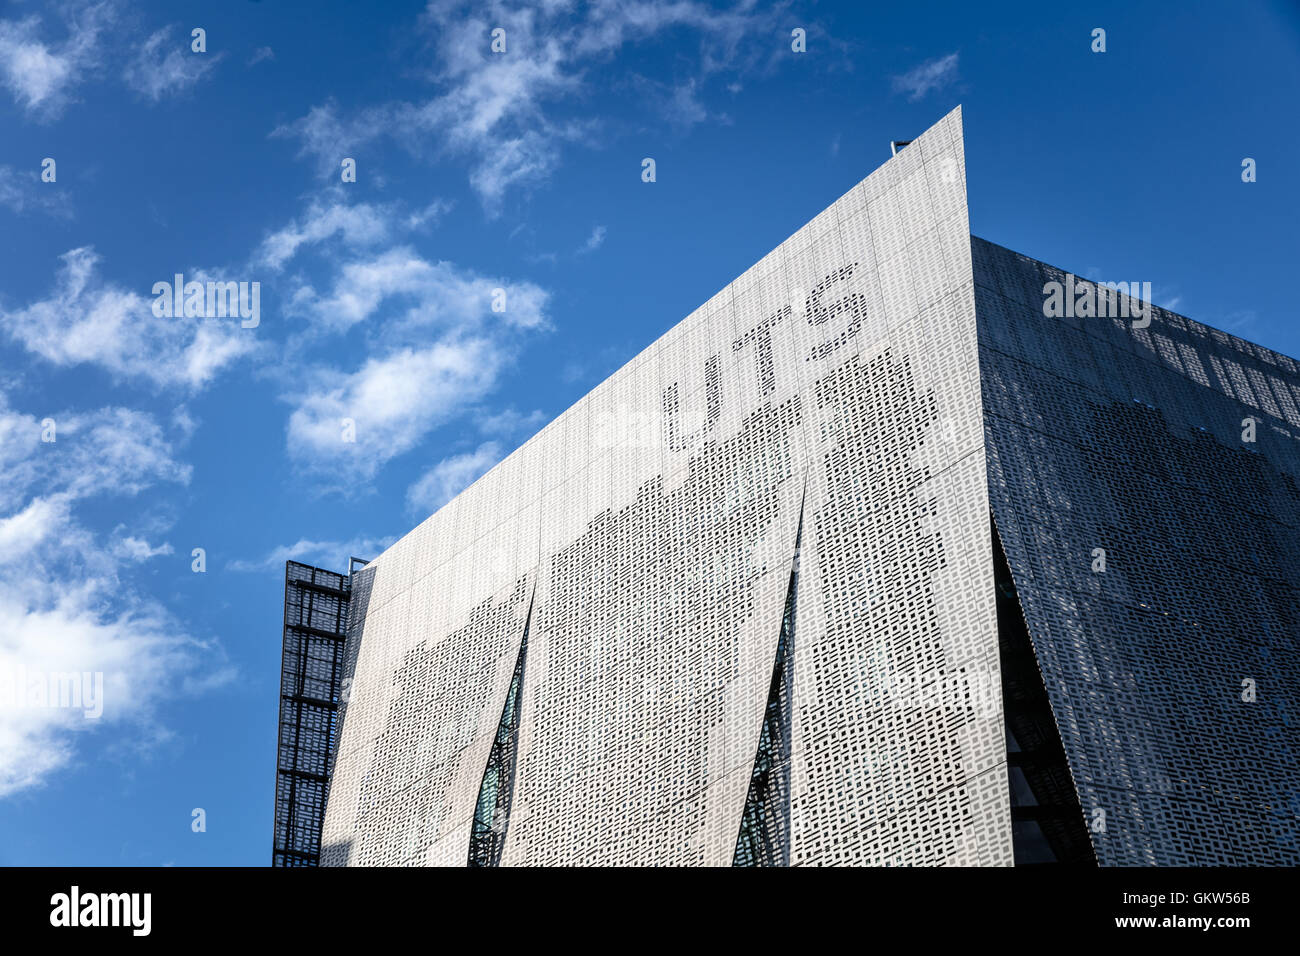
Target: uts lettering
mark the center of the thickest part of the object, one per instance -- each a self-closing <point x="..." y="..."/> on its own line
<point x="832" y="310"/>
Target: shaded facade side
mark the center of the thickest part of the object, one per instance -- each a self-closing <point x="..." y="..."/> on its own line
<point x="1155" y="552"/>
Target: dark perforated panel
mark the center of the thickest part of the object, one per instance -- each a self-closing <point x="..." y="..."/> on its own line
<point x="1104" y="436"/>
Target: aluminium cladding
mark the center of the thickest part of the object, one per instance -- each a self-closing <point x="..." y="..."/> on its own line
<point x="738" y="603"/>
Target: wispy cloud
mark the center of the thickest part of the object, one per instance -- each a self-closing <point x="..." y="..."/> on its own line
<point x="355" y="422"/>
<point x="504" y="113"/>
<point x="933" y="74"/>
<point x="66" y="607"/>
<point x="328" y="137"/>
<point x="511" y="424"/>
<point x="361" y="224"/>
<point x="594" y="241"/>
<point x="1242" y="322"/>
<point x="325" y="554"/>
<point x="22" y="191"/>
<point x="110" y="451"/>
<point x="164" y="66"/>
<point x="131" y="548"/>
<point x="438" y="336"/>
<point x="503" y="431"/>
<point x="420" y="295"/>
<point x="86" y="320"/>
<point x="450" y="477"/>
<point x="41" y="74"/>
<point x="679" y="103"/>
<point x="353" y="225"/>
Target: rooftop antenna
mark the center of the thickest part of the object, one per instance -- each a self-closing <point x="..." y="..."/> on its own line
<point x="896" y="144"/>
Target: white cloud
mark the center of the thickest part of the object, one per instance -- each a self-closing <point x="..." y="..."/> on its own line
<point x="24" y="531"/>
<point x="594" y="241"/>
<point x="527" y="158"/>
<point x="510" y="423"/>
<point x="931" y="75"/>
<point x="88" y="321"/>
<point x="163" y="66"/>
<point x="687" y="110"/>
<point x="438" y="294"/>
<point x="393" y="401"/>
<point x="324" y="554"/>
<point x="107" y="451"/>
<point x="86" y="626"/>
<point x="41" y="75"/>
<point x="450" y="477"/>
<point x="325" y="136"/>
<point x="22" y="191"/>
<point x="64" y="606"/>
<point x="495" y="110"/>
<point x="361" y="224"/>
<point x="351" y="225"/>
<point x="438" y="337"/>
<point x="1241" y="322"/>
<point x="678" y="102"/>
<point x="439" y="484"/>
<point x="184" y="422"/>
<point x="429" y="215"/>
<point x="260" y="54"/>
<point x="131" y="548"/>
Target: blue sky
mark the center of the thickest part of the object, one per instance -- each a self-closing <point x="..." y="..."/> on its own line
<point x="478" y="172"/>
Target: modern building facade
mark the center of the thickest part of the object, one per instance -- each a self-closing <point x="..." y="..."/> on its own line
<point x="867" y="561"/>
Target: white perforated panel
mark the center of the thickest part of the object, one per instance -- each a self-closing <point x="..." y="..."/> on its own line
<point x="658" y="519"/>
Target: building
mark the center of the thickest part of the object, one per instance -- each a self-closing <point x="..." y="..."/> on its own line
<point x="880" y="557"/>
<point x="317" y="607"/>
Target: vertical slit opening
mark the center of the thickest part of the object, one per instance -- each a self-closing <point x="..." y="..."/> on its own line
<point x="1047" y="823"/>
<point x="492" y="811"/>
<point x="764" y="837"/>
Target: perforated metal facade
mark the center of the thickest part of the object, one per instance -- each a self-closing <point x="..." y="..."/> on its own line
<point x="675" y="703"/>
<point x="1129" y="440"/>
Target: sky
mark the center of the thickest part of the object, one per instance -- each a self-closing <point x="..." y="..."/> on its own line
<point x="480" y="178"/>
